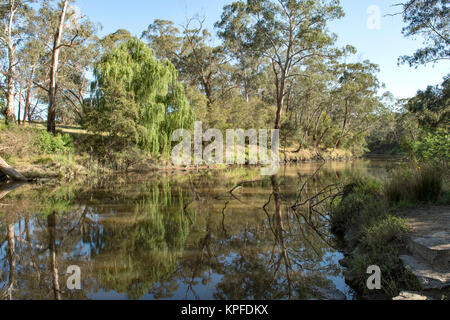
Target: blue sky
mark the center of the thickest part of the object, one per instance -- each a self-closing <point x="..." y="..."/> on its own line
<point x="382" y="45"/>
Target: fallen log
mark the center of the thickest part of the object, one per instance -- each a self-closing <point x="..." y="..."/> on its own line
<point x="9" y="171"/>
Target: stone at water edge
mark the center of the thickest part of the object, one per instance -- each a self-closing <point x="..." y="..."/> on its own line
<point x="429" y="277"/>
<point x="410" y="296"/>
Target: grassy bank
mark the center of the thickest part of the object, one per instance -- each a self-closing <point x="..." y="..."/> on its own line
<point x="369" y="229"/>
<point x="38" y="154"/>
<point x="316" y="154"/>
<point x="70" y="154"/>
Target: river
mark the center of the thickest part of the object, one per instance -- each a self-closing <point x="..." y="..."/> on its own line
<point x="178" y="236"/>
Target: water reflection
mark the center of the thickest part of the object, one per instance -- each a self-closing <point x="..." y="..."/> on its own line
<point x="184" y="237"/>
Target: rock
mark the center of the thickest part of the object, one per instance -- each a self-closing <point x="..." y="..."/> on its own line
<point x="408" y="295"/>
<point x="329" y="293"/>
<point x="430" y="278"/>
<point x="433" y="249"/>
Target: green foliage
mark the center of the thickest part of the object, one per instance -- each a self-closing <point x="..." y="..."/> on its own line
<point x="433" y="147"/>
<point x="136" y="100"/>
<point x="444" y="199"/>
<point x="48" y="143"/>
<point x="366" y="226"/>
<point x="383" y="232"/>
<point x="429" y="19"/>
<point x="432" y="106"/>
<point x="420" y="128"/>
<point x="428" y="184"/>
<point x="395" y="277"/>
<point x="361" y="205"/>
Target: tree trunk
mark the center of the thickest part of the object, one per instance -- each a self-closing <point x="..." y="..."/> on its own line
<point x="20" y="104"/>
<point x="51" y="116"/>
<point x="26" y="111"/>
<point x="51" y="222"/>
<point x="11" y="254"/>
<point x="10" y="172"/>
<point x="10" y="115"/>
<point x="10" y="76"/>
<point x="281" y="88"/>
<point x="278" y="121"/>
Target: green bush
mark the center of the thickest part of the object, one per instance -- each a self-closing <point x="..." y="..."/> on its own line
<point x="433" y="147"/>
<point x="383" y="232"/>
<point x="48" y="143"/>
<point x="395" y="277"/>
<point x="366" y="228"/>
<point x="360" y="201"/>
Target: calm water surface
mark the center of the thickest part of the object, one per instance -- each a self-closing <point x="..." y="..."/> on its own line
<point x="176" y="237"/>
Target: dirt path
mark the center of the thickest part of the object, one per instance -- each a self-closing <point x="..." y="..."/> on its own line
<point x="427" y="254"/>
<point x="424" y="221"/>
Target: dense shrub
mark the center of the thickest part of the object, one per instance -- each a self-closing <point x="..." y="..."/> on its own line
<point x="433" y="147"/>
<point x="361" y="206"/>
<point x="369" y="231"/>
<point x="48" y="143"/>
<point x="383" y="231"/>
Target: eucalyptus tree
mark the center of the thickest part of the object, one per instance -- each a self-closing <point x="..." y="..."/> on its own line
<point x="112" y="40"/>
<point x="165" y="39"/>
<point x="31" y="53"/>
<point x="56" y="49"/>
<point x="309" y="104"/>
<point x="249" y="68"/>
<point x="354" y="102"/>
<point x="286" y="33"/>
<point x="200" y="62"/>
<point x="431" y="20"/>
<point x="12" y="19"/>
<point x="431" y="107"/>
<point x="68" y="46"/>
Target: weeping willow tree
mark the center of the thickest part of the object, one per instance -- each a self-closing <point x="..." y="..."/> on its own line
<point x="136" y="99"/>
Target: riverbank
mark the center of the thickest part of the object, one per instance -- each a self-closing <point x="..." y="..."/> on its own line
<point x="40" y="156"/>
<point x="67" y="157"/>
<point x="371" y="227"/>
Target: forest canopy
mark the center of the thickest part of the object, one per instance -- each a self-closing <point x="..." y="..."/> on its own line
<point x="267" y="64"/>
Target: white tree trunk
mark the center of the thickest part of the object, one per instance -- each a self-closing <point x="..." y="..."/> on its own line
<point x="11" y="74"/>
<point x="10" y="172"/>
<point x="51" y="117"/>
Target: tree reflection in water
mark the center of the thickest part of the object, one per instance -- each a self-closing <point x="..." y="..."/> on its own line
<point x="169" y="238"/>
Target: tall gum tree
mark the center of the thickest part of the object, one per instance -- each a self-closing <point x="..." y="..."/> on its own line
<point x="51" y="116"/>
<point x="430" y="19"/>
<point x="286" y="33"/>
<point x="12" y="13"/>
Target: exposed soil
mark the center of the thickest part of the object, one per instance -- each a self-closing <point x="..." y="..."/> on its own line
<point x="427" y="220"/>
